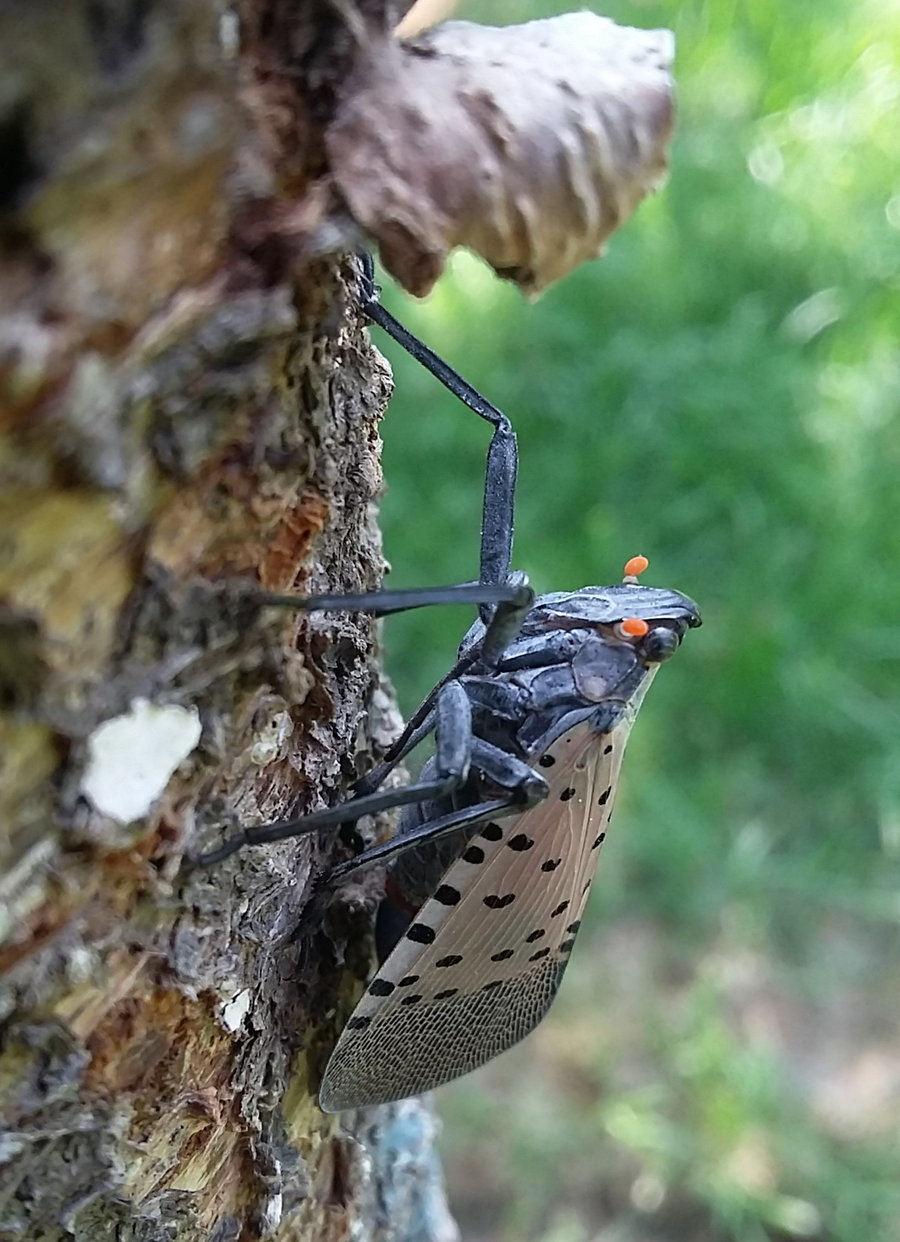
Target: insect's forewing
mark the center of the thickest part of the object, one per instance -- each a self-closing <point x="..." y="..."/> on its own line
<point x="479" y="966"/>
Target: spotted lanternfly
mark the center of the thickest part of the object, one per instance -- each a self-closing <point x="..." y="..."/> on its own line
<point x="498" y="842"/>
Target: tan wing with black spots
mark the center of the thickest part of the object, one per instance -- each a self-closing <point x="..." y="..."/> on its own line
<point x="479" y="966"/>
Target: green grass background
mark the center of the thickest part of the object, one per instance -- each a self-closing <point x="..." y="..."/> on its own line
<point x="721" y="393"/>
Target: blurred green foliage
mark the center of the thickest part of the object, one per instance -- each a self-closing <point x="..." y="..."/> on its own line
<point x="720" y="392"/>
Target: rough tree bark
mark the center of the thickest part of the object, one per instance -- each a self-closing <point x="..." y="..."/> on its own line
<point x="185" y="403"/>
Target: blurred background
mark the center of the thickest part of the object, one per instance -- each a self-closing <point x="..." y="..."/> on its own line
<point x="720" y="393"/>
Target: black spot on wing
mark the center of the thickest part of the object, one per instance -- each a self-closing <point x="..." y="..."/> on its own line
<point x="474" y="854"/>
<point x="358" y="1024"/>
<point x="446" y="994"/>
<point x="421" y="933"/>
<point x="567" y="794"/>
<point x="494" y="901"/>
<point x="452" y="959"/>
<point x="535" y="935"/>
<point x="607" y="750"/>
<point x="598" y="841"/>
<point x="494" y="983"/>
<point x="503" y="956"/>
<point x="563" y="905"/>
<point x="412" y="999"/>
<point x="520" y="842"/>
<point x="492" y="832"/>
<point x="551" y="864"/>
<point x="567" y="945"/>
<point x="546" y="761"/>
<point x="380" y="987"/>
<point x="573" y="927"/>
<point x="407" y="980"/>
<point x="541" y="953"/>
<point x="447" y="895"/>
<point x="604" y="797"/>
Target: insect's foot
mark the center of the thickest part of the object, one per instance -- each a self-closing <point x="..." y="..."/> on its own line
<point x="369" y="293"/>
<point x="209" y="858"/>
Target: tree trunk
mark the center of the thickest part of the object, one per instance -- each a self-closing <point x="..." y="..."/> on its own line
<point x="187" y="404"/>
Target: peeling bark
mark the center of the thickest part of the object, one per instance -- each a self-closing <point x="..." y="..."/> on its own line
<point x="184" y="404"/>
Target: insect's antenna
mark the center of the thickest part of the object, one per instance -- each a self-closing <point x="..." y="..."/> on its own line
<point x="498" y="512"/>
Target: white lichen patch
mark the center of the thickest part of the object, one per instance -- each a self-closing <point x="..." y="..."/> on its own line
<point x="273" y="1212"/>
<point x="132" y="757"/>
<point x="271" y="739"/>
<point x="235" y="1011"/>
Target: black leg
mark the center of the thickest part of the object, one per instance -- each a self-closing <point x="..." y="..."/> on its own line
<point x="510" y="773"/>
<point x="498" y="512"/>
<point x="515" y="594"/>
<point x="453" y="735"/>
<point x="417" y="727"/>
<point x="430" y="831"/>
<point x="503" y="600"/>
<point x="526" y="789"/>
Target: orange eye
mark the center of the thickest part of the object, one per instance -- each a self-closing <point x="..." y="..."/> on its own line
<point x="635" y="566"/>
<point x="634" y="627"/>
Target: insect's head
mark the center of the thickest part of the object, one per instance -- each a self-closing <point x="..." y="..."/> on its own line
<point x="651" y="620"/>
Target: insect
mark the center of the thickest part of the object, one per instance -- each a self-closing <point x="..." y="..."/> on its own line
<point x="497" y="845"/>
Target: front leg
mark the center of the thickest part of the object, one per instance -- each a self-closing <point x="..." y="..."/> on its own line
<point x="454" y="741"/>
<point x="525" y="788"/>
